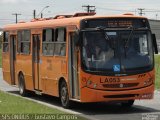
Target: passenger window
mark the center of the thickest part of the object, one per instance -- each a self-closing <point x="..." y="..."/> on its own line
<point x="60" y="42"/>
<point x="48" y="42"/>
<point x="5" y="41"/>
<point x="24" y="41"/>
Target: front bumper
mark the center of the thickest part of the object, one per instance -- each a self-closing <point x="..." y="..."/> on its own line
<point x="93" y="95"/>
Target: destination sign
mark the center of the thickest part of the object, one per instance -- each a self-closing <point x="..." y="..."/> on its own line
<point x="115" y="23"/>
<point x="119" y="23"/>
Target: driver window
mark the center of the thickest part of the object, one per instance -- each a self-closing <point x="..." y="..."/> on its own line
<point x="143" y="45"/>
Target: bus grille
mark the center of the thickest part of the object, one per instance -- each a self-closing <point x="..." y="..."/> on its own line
<point x="121" y="85"/>
<point x="121" y="96"/>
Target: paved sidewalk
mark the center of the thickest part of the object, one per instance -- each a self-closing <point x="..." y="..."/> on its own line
<point x="5" y="86"/>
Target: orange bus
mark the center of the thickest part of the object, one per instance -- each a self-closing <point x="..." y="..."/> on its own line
<point x="82" y="58"/>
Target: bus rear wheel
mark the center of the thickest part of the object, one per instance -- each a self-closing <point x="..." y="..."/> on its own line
<point x="64" y="96"/>
<point x="128" y="103"/>
<point x="22" y="88"/>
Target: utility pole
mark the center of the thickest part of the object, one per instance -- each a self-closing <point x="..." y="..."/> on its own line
<point x="141" y="11"/>
<point x="34" y="14"/>
<point x="42" y="11"/>
<point x="89" y="8"/>
<point x="156" y="16"/>
<point x="16" y="14"/>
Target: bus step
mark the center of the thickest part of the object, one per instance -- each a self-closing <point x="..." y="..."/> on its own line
<point x="38" y="92"/>
<point x="73" y="99"/>
<point x="14" y="86"/>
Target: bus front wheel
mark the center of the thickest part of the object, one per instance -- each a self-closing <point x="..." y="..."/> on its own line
<point x="64" y="96"/>
<point x="22" y="89"/>
<point x="128" y="103"/>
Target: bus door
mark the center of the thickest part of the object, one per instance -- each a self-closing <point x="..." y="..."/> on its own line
<point x="12" y="58"/>
<point x="73" y="67"/>
<point x="35" y="60"/>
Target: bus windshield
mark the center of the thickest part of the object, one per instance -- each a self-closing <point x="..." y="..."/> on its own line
<point x="118" y="51"/>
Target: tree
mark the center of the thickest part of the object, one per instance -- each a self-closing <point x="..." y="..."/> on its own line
<point x="1" y="38"/>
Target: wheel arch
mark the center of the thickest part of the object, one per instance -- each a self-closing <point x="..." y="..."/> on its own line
<point x="20" y="73"/>
<point x="62" y="79"/>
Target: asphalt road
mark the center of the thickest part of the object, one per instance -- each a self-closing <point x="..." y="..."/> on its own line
<point x="142" y="110"/>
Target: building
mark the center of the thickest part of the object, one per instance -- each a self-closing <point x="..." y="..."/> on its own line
<point x="155" y="27"/>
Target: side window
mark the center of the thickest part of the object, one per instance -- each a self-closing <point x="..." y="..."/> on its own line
<point x="5" y="41"/>
<point x="60" y="42"/>
<point x="48" y="42"/>
<point x="24" y="41"/>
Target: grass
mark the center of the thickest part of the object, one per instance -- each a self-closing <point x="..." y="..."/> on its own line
<point x="157" y="68"/>
<point x="10" y="104"/>
<point x="14" y="104"/>
<point x="0" y="58"/>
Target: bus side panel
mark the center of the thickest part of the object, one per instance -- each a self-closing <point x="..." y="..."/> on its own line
<point x="24" y="65"/>
<point x="51" y="72"/>
<point x="6" y="67"/>
<point x="48" y="75"/>
<point x="60" y="71"/>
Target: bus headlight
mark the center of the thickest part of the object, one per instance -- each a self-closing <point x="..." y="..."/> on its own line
<point x="95" y="85"/>
<point x="148" y="82"/>
<point x="89" y="82"/>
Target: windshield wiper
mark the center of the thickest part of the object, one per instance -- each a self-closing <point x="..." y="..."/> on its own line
<point x="106" y="36"/>
<point x="103" y="29"/>
<point x="128" y="39"/>
<point x="112" y="45"/>
<point x="131" y="33"/>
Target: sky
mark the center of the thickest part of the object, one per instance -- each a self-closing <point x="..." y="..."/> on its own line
<point x="103" y="7"/>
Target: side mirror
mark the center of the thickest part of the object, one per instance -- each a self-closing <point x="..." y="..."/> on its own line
<point x="154" y="43"/>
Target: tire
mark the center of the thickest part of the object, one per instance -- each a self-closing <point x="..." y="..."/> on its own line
<point x="22" y="88"/>
<point x="64" y="96"/>
<point x="128" y="103"/>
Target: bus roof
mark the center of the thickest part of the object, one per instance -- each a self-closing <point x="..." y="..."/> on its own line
<point x="44" y="23"/>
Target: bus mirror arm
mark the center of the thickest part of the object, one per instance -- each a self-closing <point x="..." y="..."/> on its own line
<point x="154" y="43"/>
